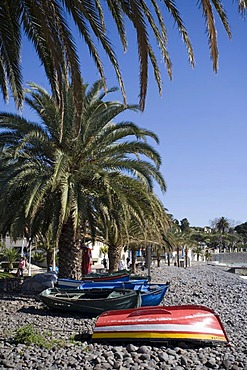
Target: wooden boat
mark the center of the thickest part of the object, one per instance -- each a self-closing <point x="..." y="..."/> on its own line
<point x="90" y="301"/>
<point x="189" y="322"/>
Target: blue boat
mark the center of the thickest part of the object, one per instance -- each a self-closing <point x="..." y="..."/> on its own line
<point x="82" y="284"/>
<point x="131" y="284"/>
<point x="153" y="294"/>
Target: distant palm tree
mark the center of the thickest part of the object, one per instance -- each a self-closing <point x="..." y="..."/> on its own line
<point x="175" y="239"/>
<point x="48" y="247"/>
<point x="46" y="25"/>
<point x="104" y="250"/>
<point x="59" y="173"/>
<point x="222" y="224"/>
<point x="198" y="251"/>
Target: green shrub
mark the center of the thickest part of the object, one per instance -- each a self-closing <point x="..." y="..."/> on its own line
<point x="6" y="275"/>
<point x="29" y="335"/>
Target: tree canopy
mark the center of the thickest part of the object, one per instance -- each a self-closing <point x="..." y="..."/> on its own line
<point x="65" y="170"/>
<point x="46" y="24"/>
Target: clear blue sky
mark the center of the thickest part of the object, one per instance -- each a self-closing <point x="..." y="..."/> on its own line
<point x="200" y="119"/>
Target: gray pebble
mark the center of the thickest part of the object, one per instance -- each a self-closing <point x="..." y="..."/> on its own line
<point x="131" y="348"/>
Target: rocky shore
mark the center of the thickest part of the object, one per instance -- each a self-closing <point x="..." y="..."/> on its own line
<point x="211" y="286"/>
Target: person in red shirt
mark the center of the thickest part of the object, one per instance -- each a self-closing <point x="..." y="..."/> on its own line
<point x="86" y="260"/>
<point x="21" y="266"/>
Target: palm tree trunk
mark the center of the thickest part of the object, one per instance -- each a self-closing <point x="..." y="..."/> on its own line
<point x="114" y="254"/>
<point x="178" y="256"/>
<point x="168" y="259"/>
<point x="158" y="259"/>
<point x="186" y="257"/>
<point x="133" y="260"/>
<point x="49" y="259"/>
<point x="69" y="253"/>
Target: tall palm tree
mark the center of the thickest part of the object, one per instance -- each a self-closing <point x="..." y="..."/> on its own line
<point x="46" y="25"/>
<point x="59" y="173"/>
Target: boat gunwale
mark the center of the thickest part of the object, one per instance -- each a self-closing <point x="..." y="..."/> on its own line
<point x="126" y="293"/>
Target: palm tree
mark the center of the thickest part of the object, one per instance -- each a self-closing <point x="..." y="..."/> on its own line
<point x="136" y="218"/>
<point x="222" y="224"/>
<point x="58" y="174"/>
<point x="170" y="236"/>
<point x="45" y="23"/>
<point x="174" y="238"/>
<point x="11" y="256"/>
<point x="198" y="251"/>
<point x="48" y="246"/>
<point x="104" y="250"/>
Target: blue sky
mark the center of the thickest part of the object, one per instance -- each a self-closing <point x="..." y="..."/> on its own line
<point x="200" y="118"/>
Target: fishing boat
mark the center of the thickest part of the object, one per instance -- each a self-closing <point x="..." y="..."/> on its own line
<point x="91" y="302"/>
<point x="162" y="323"/>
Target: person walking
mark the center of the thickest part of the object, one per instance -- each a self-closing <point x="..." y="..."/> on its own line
<point x="86" y="260"/>
<point x="21" y="267"/>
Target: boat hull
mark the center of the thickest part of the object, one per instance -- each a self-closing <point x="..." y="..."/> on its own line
<point x="131" y="284"/>
<point x="153" y="294"/>
<point x="191" y="322"/>
<point x="91" y="302"/>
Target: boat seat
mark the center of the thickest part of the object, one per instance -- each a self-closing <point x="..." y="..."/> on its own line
<point x="113" y="295"/>
<point x="74" y="298"/>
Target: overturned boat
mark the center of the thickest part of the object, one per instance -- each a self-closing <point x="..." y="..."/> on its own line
<point x="162" y="323"/>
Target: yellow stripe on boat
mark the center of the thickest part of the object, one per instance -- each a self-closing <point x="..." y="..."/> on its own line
<point x="145" y="335"/>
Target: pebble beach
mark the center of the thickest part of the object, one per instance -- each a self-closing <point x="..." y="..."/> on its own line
<point x="207" y="285"/>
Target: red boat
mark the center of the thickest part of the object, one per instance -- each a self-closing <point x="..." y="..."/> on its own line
<point x="161" y="323"/>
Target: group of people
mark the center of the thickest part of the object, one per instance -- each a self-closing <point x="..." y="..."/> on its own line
<point x="86" y="261"/>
